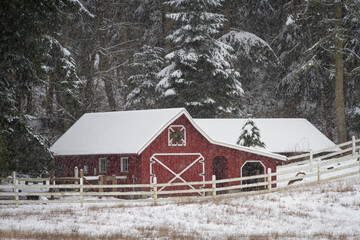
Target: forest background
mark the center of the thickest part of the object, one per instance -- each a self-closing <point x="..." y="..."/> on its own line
<point x="236" y="58"/>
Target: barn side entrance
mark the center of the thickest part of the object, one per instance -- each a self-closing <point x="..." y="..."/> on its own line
<point x="220" y="170"/>
<point x="251" y="168"/>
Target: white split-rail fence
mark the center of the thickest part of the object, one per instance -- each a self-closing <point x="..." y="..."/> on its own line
<point x="314" y="163"/>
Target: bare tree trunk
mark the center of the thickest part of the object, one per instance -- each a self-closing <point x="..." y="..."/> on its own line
<point x="67" y="120"/>
<point x="49" y="95"/>
<point x="29" y="101"/>
<point x="326" y="116"/>
<point x="123" y="24"/>
<point x="103" y="65"/>
<point x="323" y="102"/>
<point x="65" y="32"/>
<point x="166" y="27"/>
<point x="339" y="76"/>
<point x="110" y="94"/>
<point x="89" y="85"/>
<point x="51" y="88"/>
<point x="125" y="40"/>
<point x="125" y="70"/>
<point x="226" y="10"/>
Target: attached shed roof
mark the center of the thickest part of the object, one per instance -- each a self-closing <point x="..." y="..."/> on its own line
<point x="280" y="135"/>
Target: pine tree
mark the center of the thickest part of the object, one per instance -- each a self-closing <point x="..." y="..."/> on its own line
<point x="146" y="64"/>
<point x="22" y="25"/>
<point x="27" y="29"/>
<point x="258" y="66"/>
<point x="200" y="75"/>
<point x="62" y="101"/>
<point x="250" y="135"/>
<point x="259" y="17"/>
<point x="320" y="60"/>
<point x="3" y="156"/>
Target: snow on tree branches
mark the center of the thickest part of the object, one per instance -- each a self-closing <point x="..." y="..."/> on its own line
<point x="250" y="135"/>
<point x="200" y="74"/>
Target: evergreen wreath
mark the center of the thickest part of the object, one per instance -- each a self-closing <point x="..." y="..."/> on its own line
<point x="177" y="136"/>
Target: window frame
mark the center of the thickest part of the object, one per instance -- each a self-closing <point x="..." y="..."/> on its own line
<point x="86" y="169"/>
<point x="171" y="130"/>
<point x="101" y="166"/>
<point x="122" y="164"/>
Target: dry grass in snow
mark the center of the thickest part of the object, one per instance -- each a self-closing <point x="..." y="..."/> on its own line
<point x="330" y="210"/>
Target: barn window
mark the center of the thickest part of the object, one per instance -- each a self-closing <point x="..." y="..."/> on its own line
<point x="86" y="169"/>
<point x="124" y="164"/>
<point x="102" y="165"/>
<point x="177" y="135"/>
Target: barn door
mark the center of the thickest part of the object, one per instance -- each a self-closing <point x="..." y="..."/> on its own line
<point x="252" y="168"/>
<point x="178" y="167"/>
<point x="220" y="170"/>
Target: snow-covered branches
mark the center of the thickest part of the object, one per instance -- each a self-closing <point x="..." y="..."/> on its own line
<point x="250" y="136"/>
<point x="200" y="72"/>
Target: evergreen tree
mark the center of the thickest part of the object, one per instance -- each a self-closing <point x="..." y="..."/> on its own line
<point x="250" y="135"/>
<point x="22" y="25"/>
<point x="200" y="75"/>
<point x="27" y="32"/>
<point x="62" y="83"/>
<point x="146" y="64"/>
<point x="258" y="66"/>
<point x="3" y="156"/>
<point x="260" y="17"/>
<point x="321" y="40"/>
<point x="105" y="43"/>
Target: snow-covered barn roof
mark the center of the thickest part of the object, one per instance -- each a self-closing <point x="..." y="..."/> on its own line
<point x="113" y="132"/>
<point x="280" y="135"/>
<point x="132" y="131"/>
<point x="127" y="132"/>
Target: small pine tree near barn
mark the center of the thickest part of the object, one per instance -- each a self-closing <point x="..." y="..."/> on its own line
<point x="250" y="135"/>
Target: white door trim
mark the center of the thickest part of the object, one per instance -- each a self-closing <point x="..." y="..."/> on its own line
<point x="200" y="159"/>
<point x="252" y="161"/>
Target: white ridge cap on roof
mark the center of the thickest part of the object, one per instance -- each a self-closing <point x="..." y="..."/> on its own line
<point x="113" y="132"/>
<point x="279" y="134"/>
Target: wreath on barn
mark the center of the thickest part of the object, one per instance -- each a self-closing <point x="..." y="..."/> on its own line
<point x="177" y="136"/>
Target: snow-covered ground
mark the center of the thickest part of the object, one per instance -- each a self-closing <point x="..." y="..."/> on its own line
<point x="320" y="211"/>
<point x="328" y="210"/>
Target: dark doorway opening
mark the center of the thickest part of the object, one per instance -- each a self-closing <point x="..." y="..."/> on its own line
<point x="252" y="169"/>
<point x="220" y="170"/>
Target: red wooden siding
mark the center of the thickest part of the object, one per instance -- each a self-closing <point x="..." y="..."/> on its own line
<point x="139" y="166"/>
<point x="196" y="143"/>
<point x="66" y="164"/>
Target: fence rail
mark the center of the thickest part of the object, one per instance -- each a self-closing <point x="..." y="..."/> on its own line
<point x="318" y="166"/>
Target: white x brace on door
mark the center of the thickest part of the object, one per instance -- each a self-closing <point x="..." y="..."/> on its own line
<point x="155" y="159"/>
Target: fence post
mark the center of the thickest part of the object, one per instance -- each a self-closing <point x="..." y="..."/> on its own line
<point x="318" y="170"/>
<point x="81" y="188"/>
<point x="76" y="174"/>
<point x="155" y="189"/>
<point x="51" y="182"/>
<point x="359" y="162"/>
<point x="311" y="159"/>
<point x="269" y="179"/>
<point x="213" y="185"/>
<point x="353" y="145"/>
<point x="16" y="189"/>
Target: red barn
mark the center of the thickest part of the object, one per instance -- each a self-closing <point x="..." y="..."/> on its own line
<point x="141" y="144"/>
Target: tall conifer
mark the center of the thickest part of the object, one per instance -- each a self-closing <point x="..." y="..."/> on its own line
<point x="200" y="75"/>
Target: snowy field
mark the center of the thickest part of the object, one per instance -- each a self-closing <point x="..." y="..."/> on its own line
<point x="329" y="210"/>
